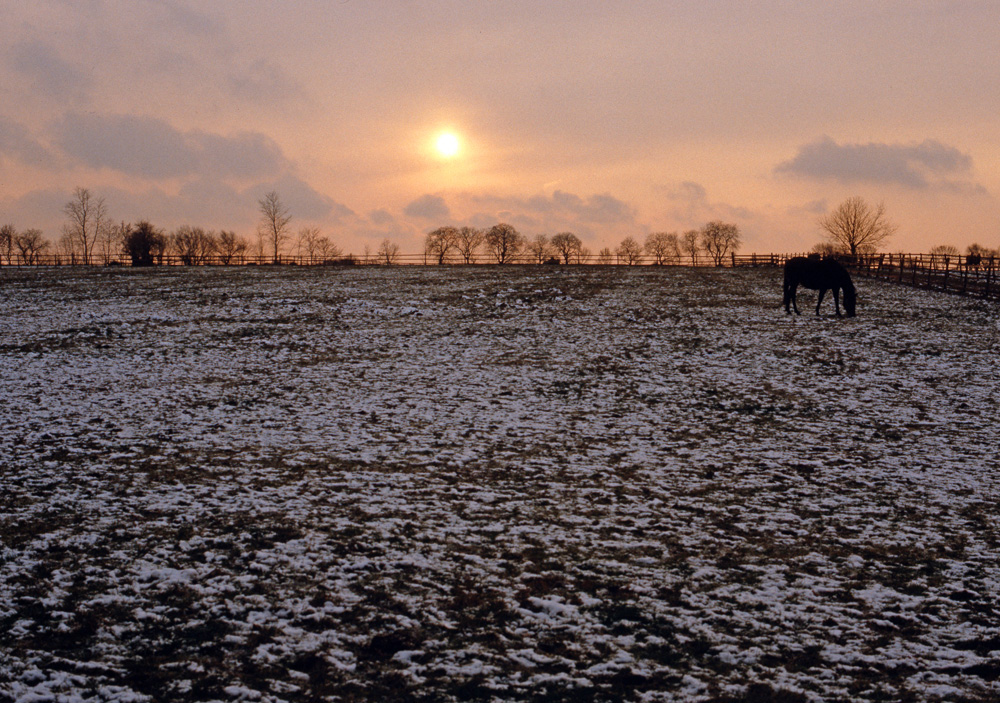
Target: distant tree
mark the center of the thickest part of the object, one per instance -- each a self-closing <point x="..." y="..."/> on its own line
<point x="582" y="255"/>
<point x="629" y="252"/>
<point x="388" y="252"/>
<point x="309" y="243"/>
<point x="827" y="249"/>
<point x="720" y="239"/>
<point x="66" y="248"/>
<point x="232" y="248"/>
<point x="7" y="236"/>
<point x="568" y="245"/>
<point x="88" y="218"/>
<point x="118" y="234"/>
<point x="273" y="226"/>
<point x="440" y="242"/>
<point x="504" y="242"/>
<point x="327" y="250"/>
<point x="856" y="227"/>
<point x="690" y="243"/>
<point x="145" y="244"/>
<point x="980" y="251"/>
<point x="976" y="253"/>
<point x="193" y="245"/>
<point x="539" y="249"/>
<point x="945" y="250"/>
<point x="605" y="257"/>
<point x="663" y="247"/>
<point x="468" y="240"/>
<point x="31" y="244"/>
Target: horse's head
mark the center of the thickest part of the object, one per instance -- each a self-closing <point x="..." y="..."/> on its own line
<point x="850" y="299"/>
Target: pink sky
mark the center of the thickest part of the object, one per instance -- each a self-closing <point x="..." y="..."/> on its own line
<point x="605" y="119"/>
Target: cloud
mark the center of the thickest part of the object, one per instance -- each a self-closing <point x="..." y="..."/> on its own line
<point x="600" y="216"/>
<point x="688" y="206"/>
<point x="49" y="73"/>
<point x="302" y="200"/>
<point x="428" y="207"/>
<point x="381" y="217"/>
<point x="594" y="209"/>
<point x="17" y="144"/>
<point x="174" y="15"/>
<point x="152" y="148"/>
<point x="263" y="82"/>
<point x="916" y="165"/>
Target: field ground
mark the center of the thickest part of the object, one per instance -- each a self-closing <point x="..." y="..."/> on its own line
<point x="471" y="484"/>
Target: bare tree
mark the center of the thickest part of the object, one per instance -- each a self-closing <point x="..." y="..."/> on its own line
<point x="388" y="252"/>
<point x="231" y="248"/>
<point x="67" y="248"/>
<point x="568" y="245"/>
<point x="30" y="246"/>
<point x="327" y="250"/>
<point x="7" y="235"/>
<point x="629" y="252"/>
<point x="663" y="247"/>
<point x="440" y="242"/>
<point x="720" y="239"/>
<point x="582" y="255"/>
<point x="108" y="244"/>
<point x="539" y="249"/>
<point x="274" y="219"/>
<point x="504" y="242"/>
<point x="605" y="257"/>
<point x="827" y="249"/>
<point x="856" y="227"/>
<point x="87" y="219"/>
<point x="193" y="245"/>
<point x="944" y="250"/>
<point x="690" y="245"/>
<point x="119" y="233"/>
<point x="468" y="241"/>
<point x="309" y="243"/>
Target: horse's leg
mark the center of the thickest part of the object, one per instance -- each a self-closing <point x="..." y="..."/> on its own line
<point x="787" y="290"/>
<point x="822" y="292"/>
<point x="836" y="302"/>
<point x="793" y="295"/>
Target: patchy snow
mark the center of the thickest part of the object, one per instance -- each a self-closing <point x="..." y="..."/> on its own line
<point x="493" y="484"/>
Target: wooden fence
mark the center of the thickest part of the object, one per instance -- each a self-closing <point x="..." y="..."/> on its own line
<point x="965" y="275"/>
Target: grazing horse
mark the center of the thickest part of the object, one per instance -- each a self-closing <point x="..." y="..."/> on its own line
<point x="821" y="275"/>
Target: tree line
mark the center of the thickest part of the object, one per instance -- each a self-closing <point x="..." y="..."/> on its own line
<point x="503" y="244"/>
<point x="90" y="236"/>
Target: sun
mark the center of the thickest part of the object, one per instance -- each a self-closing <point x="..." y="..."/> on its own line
<point x="447" y="145"/>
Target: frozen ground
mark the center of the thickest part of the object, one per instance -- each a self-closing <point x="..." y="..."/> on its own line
<point x="461" y="484"/>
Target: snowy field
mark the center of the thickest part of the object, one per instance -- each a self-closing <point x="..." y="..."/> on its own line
<point x="472" y="484"/>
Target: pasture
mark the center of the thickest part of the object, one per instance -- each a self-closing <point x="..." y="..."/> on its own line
<point x="493" y="484"/>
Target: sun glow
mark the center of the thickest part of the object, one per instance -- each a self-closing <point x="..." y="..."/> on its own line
<point x="447" y="145"/>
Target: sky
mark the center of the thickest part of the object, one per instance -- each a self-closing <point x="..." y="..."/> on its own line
<point x="606" y="119"/>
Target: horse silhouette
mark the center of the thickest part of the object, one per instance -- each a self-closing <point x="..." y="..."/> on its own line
<point x="821" y="275"/>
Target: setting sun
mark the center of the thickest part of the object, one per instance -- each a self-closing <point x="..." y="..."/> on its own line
<point x="447" y="145"/>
